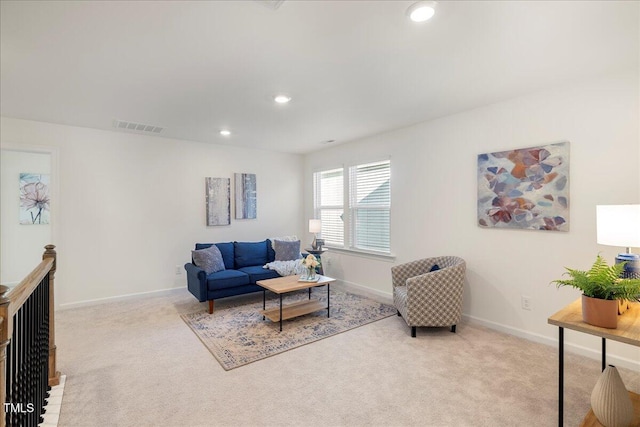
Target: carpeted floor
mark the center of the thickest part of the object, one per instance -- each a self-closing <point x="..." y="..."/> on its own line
<point x="136" y="363"/>
<point x="236" y="333"/>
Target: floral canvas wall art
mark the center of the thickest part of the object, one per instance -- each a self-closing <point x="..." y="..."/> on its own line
<point x="218" y="198"/>
<point x="527" y="188"/>
<point x="34" y="198"/>
<point x="246" y="196"/>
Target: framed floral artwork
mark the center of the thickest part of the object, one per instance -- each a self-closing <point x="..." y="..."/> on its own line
<point x="526" y="188"/>
<point x="34" y="198"/>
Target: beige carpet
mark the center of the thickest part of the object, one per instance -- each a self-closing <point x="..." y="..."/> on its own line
<point x="137" y="364"/>
<point x="236" y="333"/>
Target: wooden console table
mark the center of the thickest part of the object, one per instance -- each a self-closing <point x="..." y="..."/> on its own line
<point x="628" y="332"/>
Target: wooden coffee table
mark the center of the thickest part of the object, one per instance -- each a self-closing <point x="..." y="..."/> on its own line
<point x="283" y="285"/>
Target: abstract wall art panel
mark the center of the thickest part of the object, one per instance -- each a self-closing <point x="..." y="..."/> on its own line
<point x="218" y="198"/>
<point x="246" y="196"/>
<point x="34" y="198"/>
<point x="527" y="188"/>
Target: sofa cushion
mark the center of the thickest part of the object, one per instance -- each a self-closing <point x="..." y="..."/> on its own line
<point x="250" y="253"/>
<point x="208" y="259"/>
<point x="257" y="272"/>
<point x="271" y="253"/>
<point x="226" y="249"/>
<point x="286" y="251"/>
<point x="227" y="279"/>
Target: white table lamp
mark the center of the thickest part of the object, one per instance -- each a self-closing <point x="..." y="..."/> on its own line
<point x="619" y="225"/>
<point x="315" y="227"/>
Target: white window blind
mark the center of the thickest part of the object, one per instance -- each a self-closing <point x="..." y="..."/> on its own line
<point x="370" y="206"/>
<point x="366" y="190"/>
<point x="329" y="204"/>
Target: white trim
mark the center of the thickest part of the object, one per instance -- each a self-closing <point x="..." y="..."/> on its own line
<point x="99" y="301"/>
<point x="578" y="349"/>
<point x="355" y="288"/>
<point x="364" y="254"/>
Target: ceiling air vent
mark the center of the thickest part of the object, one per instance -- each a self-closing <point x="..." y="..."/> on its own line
<point x="136" y="127"/>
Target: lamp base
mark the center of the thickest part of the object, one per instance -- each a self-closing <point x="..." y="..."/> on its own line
<point x="632" y="267"/>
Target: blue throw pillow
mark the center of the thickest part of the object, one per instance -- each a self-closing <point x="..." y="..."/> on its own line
<point x="248" y="254"/>
<point x="286" y="251"/>
<point x="209" y="259"/>
<point x="435" y="267"/>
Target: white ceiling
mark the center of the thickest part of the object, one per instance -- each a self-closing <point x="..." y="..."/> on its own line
<point x="353" y="68"/>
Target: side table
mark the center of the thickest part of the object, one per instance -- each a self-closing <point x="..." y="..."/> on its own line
<point x="317" y="254"/>
<point x="628" y="332"/>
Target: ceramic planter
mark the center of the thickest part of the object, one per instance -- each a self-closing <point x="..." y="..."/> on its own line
<point x="600" y="312"/>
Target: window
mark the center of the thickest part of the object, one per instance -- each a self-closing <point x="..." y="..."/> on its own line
<point x="329" y="201"/>
<point x="367" y="194"/>
<point x="369" y="205"/>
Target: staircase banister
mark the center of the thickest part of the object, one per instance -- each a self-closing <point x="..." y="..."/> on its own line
<point x="21" y="292"/>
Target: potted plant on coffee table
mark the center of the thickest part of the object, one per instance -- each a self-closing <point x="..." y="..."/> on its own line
<point x="602" y="290"/>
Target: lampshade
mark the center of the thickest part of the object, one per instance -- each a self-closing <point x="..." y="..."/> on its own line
<point x="618" y="225"/>
<point x="315" y="226"/>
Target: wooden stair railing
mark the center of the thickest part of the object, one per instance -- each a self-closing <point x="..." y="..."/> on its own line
<point x="28" y="345"/>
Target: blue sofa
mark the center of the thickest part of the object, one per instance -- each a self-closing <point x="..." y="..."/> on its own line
<point x="243" y="262"/>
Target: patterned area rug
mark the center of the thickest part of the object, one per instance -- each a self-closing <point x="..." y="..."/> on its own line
<point x="236" y="334"/>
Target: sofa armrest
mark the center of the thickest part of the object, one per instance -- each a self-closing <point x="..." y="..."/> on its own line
<point x="196" y="281"/>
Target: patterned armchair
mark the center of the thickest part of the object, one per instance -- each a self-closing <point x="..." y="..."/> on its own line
<point x="429" y="298"/>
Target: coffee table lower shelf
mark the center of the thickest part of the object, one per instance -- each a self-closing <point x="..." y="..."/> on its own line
<point x="591" y="421"/>
<point x="294" y="310"/>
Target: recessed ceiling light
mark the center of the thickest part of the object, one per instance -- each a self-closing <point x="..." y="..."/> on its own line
<point x="282" y="99"/>
<point x="421" y="11"/>
<point x="225" y="132"/>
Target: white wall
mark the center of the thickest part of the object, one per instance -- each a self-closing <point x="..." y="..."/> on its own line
<point x="132" y="206"/>
<point x="18" y="259"/>
<point x="434" y="188"/>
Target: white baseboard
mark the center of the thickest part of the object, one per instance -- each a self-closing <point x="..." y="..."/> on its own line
<point x="355" y="288"/>
<point x="99" y="301"/>
<point x="553" y="342"/>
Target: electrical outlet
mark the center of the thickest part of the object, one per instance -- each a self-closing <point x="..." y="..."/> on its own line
<point x="526" y="303"/>
<point x="178" y="270"/>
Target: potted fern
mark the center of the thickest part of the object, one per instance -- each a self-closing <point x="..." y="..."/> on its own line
<point x="603" y="291"/>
